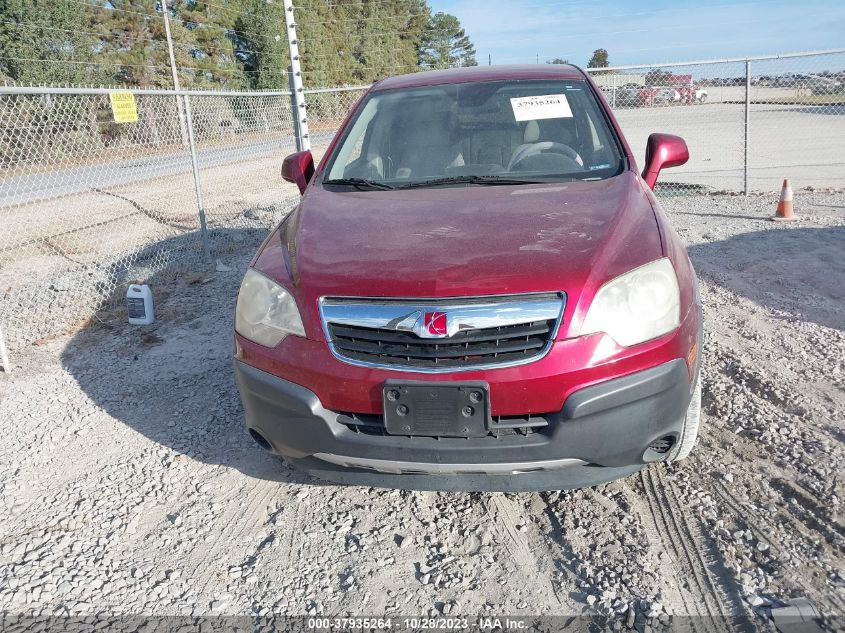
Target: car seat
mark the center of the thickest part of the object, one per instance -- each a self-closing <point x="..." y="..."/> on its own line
<point x="428" y="145"/>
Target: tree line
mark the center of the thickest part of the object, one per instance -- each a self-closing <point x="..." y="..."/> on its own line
<point x="598" y="60"/>
<point x="224" y="44"/>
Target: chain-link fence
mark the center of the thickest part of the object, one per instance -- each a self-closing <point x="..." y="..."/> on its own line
<point x="749" y="123"/>
<point x="327" y="108"/>
<point x="88" y="204"/>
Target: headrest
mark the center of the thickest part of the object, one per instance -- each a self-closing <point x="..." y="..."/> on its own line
<point x="532" y="132"/>
<point x="431" y="127"/>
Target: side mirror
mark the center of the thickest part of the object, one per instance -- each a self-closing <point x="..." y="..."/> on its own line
<point x="298" y="168"/>
<point x="663" y="150"/>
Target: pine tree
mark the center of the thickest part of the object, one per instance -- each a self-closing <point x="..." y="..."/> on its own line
<point x="445" y="44"/>
<point x="130" y="44"/>
<point x="45" y="41"/>
<point x="206" y="32"/>
<point x="228" y="44"/>
<point x="261" y="43"/>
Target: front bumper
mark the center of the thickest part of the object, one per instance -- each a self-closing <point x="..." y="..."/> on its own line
<point x="603" y="432"/>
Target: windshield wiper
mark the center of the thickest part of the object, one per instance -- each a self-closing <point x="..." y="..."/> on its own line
<point x="470" y="180"/>
<point x="359" y="183"/>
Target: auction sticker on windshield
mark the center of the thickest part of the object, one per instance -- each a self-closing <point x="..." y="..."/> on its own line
<point x="541" y="107"/>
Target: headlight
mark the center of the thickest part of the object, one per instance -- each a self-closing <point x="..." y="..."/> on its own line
<point x="266" y="312"/>
<point x="638" y="306"/>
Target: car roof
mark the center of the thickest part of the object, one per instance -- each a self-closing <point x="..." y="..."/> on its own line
<point x="480" y="73"/>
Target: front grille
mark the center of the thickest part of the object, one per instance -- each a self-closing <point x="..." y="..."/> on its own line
<point x="485" y="346"/>
<point x="500" y="425"/>
<point x="407" y="334"/>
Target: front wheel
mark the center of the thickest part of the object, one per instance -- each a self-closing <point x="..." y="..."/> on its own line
<point x="692" y="421"/>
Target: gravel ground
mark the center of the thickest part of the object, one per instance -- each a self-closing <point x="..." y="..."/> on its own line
<point x="130" y="486"/>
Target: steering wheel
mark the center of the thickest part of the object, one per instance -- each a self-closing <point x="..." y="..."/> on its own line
<point x="544" y="146"/>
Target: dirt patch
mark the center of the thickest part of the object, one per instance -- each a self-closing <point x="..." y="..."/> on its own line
<point x="132" y="487"/>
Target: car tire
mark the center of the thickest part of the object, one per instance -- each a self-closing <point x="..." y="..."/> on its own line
<point x="692" y="421"/>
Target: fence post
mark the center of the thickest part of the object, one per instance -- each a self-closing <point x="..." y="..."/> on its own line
<point x="299" y="113"/>
<point x="173" y="71"/>
<point x="197" y="182"/>
<point x="4" y="355"/>
<point x="297" y="129"/>
<point x="613" y="91"/>
<point x="747" y="121"/>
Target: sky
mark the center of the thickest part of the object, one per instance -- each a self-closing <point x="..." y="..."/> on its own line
<point x="648" y="31"/>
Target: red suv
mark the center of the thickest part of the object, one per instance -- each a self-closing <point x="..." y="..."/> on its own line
<point x="477" y="291"/>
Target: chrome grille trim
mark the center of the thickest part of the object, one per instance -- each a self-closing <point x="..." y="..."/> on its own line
<point x="465" y="315"/>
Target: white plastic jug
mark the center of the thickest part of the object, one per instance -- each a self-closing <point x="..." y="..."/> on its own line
<point x="139" y="304"/>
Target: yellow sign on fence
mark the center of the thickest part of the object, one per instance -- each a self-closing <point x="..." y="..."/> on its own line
<point x="123" y="107"/>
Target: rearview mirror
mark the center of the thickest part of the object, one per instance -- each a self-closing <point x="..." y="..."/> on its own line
<point x="663" y="150"/>
<point x="298" y="168"/>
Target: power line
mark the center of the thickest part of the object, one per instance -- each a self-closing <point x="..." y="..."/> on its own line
<point x="188" y="47"/>
<point x="86" y="63"/>
<point x="235" y="49"/>
<point x="309" y="23"/>
<point x="351" y="53"/>
<point x="370" y="3"/>
<point x="112" y="36"/>
<point x="214" y="49"/>
<point x="391" y="34"/>
<point x="239" y="13"/>
<point x="75" y="31"/>
<point x="403" y="16"/>
<point x="120" y="64"/>
<point x="158" y="15"/>
<point x="354" y="68"/>
<point x="111" y="8"/>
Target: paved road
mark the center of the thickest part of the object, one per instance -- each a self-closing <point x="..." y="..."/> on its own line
<point x="47" y="184"/>
<point x="803" y="143"/>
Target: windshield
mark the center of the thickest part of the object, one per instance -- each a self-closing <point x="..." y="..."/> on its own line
<point x="495" y="132"/>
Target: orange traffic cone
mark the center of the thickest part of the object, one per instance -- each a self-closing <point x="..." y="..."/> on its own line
<point x="785" y="211"/>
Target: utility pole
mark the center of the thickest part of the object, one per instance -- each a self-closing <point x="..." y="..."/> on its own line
<point x="187" y="127"/>
<point x="303" y="142"/>
<point x="174" y="73"/>
<point x="489" y="59"/>
<point x="166" y="12"/>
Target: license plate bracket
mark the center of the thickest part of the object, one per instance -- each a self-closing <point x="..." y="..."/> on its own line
<point x="436" y="409"/>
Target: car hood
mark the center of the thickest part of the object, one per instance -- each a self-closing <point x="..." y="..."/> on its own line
<point x="467" y="241"/>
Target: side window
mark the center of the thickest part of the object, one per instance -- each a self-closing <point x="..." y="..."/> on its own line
<point x="352" y="160"/>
